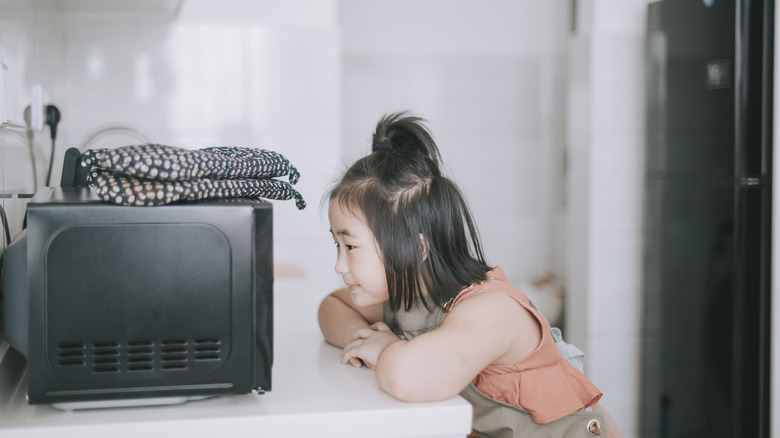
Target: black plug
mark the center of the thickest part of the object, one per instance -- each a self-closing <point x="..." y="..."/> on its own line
<point x="53" y="116"/>
<point x="52" y="119"/>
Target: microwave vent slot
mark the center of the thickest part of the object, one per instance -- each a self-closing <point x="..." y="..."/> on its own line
<point x="71" y="354"/>
<point x="140" y="356"/>
<point x="207" y="349"/>
<point x="173" y="354"/>
<point x="144" y="358"/>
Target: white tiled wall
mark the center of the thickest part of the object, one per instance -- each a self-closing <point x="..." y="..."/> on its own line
<point x="488" y="81"/>
<point x="269" y="80"/>
<point x="605" y="193"/>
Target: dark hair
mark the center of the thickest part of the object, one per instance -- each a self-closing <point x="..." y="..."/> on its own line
<point x="400" y="191"/>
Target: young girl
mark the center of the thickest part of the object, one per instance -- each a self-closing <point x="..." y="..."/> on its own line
<point x="423" y="309"/>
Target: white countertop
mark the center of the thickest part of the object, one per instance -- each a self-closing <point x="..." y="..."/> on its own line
<point x="313" y="395"/>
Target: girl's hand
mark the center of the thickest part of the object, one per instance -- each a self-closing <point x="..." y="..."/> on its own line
<point x="366" y="344"/>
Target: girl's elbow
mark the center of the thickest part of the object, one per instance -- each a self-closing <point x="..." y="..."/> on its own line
<point x="393" y="378"/>
<point x="414" y="392"/>
<point x="401" y="388"/>
<point x="403" y="383"/>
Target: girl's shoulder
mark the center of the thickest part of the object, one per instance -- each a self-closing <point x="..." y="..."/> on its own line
<point x="496" y="281"/>
<point x="494" y="308"/>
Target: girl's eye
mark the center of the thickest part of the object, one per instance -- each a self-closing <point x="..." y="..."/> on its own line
<point x="349" y="247"/>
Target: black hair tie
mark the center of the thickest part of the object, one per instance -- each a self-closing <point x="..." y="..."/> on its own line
<point x="384" y="144"/>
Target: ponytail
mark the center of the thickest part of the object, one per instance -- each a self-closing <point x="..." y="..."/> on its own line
<point x="404" y="132"/>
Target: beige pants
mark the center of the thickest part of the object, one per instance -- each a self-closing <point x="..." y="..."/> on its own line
<point x="495" y="419"/>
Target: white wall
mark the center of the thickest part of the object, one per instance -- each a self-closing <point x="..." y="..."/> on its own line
<point x="487" y="77"/>
<point x="310" y="79"/>
<point x="239" y="73"/>
<point x="605" y="198"/>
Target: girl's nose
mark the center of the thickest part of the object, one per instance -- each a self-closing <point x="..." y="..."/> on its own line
<point x="341" y="265"/>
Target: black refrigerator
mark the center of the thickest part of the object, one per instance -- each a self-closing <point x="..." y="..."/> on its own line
<point x="706" y="284"/>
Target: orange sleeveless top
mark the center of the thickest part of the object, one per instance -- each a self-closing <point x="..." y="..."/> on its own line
<point x="543" y="383"/>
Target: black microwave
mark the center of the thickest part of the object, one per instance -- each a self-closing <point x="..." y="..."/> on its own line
<point x="113" y="304"/>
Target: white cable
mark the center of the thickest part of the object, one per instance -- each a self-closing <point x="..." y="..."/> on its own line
<point x="113" y="128"/>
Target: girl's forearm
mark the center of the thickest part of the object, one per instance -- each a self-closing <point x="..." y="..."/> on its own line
<point x="388" y="374"/>
<point x="406" y="375"/>
<point x="338" y="321"/>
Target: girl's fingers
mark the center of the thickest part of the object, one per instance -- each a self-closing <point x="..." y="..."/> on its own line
<point x="362" y="333"/>
<point x="380" y="327"/>
<point x="355" y="361"/>
<point x="350" y="354"/>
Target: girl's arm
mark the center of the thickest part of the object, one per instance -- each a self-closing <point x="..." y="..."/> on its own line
<point x="490" y="328"/>
<point x="339" y="318"/>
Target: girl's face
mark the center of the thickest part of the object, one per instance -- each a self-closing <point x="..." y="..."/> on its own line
<point x="359" y="261"/>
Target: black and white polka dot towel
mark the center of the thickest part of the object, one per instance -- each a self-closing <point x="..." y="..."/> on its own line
<point x="154" y="174"/>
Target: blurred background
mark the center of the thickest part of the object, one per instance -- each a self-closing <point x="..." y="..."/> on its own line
<point x="538" y="108"/>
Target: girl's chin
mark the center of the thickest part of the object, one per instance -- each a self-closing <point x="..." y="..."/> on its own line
<point x="360" y="299"/>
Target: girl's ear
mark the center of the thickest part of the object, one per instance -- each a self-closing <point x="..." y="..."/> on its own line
<point x="424" y="244"/>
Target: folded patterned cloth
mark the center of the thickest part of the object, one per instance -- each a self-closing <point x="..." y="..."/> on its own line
<point x="154" y="174"/>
